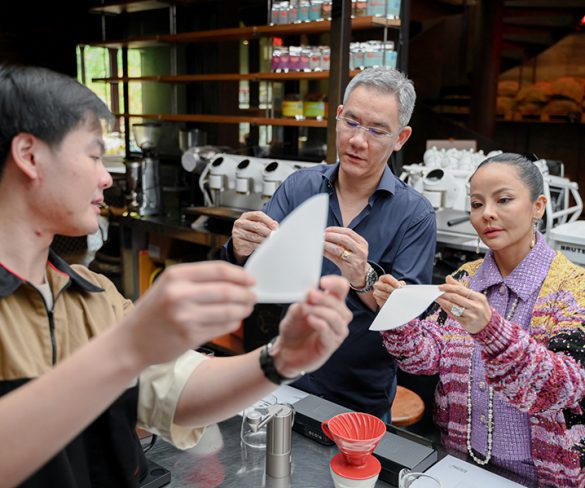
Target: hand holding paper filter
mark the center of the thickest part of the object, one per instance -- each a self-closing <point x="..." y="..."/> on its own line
<point x="404" y="305"/>
<point x="288" y="264"/>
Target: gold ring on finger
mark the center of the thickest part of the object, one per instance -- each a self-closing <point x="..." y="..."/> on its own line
<point x="345" y="254"/>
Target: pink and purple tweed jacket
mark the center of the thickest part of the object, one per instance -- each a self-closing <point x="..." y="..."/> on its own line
<point x="541" y="372"/>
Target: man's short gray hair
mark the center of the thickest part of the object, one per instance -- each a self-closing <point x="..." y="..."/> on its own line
<point x="387" y="80"/>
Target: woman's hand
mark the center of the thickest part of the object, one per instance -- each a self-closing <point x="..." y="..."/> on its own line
<point x="470" y="308"/>
<point x="385" y="285"/>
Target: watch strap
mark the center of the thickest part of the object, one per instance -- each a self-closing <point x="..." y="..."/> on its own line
<point x="371" y="278"/>
<point x="269" y="369"/>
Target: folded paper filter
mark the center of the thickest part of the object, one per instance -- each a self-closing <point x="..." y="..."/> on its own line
<point x="288" y="264"/>
<point x="405" y="304"/>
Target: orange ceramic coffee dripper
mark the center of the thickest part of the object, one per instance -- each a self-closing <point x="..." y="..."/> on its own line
<point x="356" y="434"/>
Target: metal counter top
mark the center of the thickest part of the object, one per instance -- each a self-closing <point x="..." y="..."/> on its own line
<point x="221" y="460"/>
<point x="456" y="236"/>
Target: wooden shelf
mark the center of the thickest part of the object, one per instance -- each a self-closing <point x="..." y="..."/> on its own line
<point x="527" y="119"/>
<point x="555" y="119"/>
<point x="128" y="6"/>
<point x="237" y="33"/>
<point x="135" y="42"/>
<point x="131" y="6"/>
<point x="293" y="75"/>
<point x="229" y="119"/>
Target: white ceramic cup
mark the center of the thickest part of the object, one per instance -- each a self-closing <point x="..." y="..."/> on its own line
<point x="343" y="482"/>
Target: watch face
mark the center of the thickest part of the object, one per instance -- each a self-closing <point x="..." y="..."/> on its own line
<point x="371" y="277"/>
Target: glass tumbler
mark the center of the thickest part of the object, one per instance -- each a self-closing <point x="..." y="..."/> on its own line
<point x="407" y="479"/>
<point x="251" y="434"/>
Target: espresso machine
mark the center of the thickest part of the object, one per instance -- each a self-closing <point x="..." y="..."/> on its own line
<point x="244" y="182"/>
<point x="143" y="176"/>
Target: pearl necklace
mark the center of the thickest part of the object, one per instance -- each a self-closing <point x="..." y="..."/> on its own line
<point x="490" y="419"/>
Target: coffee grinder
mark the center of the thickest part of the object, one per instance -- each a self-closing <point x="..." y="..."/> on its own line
<point x="149" y="197"/>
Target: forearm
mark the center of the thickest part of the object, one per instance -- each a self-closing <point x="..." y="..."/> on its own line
<point x="368" y="300"/>
<point x="41" y="417"/>
<point x="221" y="387"/>
<point x="532" y="377"/>
<point x="416" y="352"/>
<point x="228" y="253"/>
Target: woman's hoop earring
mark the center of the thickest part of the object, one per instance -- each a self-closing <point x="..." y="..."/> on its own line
<point x="477" y="246"/>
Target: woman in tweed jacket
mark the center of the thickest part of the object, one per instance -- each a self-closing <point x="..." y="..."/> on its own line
<point x="506" y="338"/>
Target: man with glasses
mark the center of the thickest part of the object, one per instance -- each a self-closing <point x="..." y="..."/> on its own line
<point x="377" y="224"/>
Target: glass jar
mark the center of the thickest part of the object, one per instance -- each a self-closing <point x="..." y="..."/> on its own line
<point x="294" y="59"/>
<point x="314" y="106"/>
<point x="325" y="57"/>
<point x="283" y="59"/>
<point x="293" y="13"/>
<point x="390" y="55"/>
<point x="275" y="13"/>
<point x="305" y="60"/>
<point x="356" y="58"/>
<point x="326" y="9"/>
<point x="315" y="59"/>
<point x="292" y="106"/>
<point x="304" y="11"/>
<point x="361" y="8"/>
<point x="283" y="13"/>
<point x="373" y="54"/>
<point x="376" y="8"/>
<point x="275" y="64"/>
<point x="393" y="9"/>
<point x="316" y="10"/>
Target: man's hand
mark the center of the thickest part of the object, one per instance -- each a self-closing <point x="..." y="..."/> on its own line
<point x="187" y="306"/>
<point x="384" y="287"/>
<point x="312" y="330"/>
<point x="249" y="232"/>
<point x="349" y="251"/>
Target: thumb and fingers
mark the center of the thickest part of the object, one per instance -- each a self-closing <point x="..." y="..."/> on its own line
<point x="250" y="230"/>
<point x="384" y="287"/>
<point x="470" y="308"/>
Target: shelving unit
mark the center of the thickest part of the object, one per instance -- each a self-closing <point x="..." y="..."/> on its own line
<point x="290" y="76"/>
<point x="336" y="78"/>
<point x="229" y="119"/>
<point x="117" y="7"/>
<point x="246" y="33"/>
<point x="340" y="29"/>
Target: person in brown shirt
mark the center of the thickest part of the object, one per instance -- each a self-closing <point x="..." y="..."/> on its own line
<point x="72" y="348"/>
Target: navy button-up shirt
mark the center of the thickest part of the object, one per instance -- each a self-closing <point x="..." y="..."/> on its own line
<point x="399" y="225"/>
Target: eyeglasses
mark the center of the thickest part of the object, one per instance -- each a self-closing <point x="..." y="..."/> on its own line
<point x="374" y="132"/>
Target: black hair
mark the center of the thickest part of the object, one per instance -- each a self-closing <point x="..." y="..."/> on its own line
<point x="527" y="171"/>
<point x="43" y="103"/>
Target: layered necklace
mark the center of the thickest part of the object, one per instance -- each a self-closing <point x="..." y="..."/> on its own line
<point x="490" y="418"/>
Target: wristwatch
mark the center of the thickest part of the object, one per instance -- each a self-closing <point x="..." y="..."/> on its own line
<point x="371" y="278"/>
<point x="269" y="369"/>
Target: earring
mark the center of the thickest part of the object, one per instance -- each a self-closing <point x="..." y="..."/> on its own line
<point x="533" y="240"/>
<point x="477" y="246"/>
